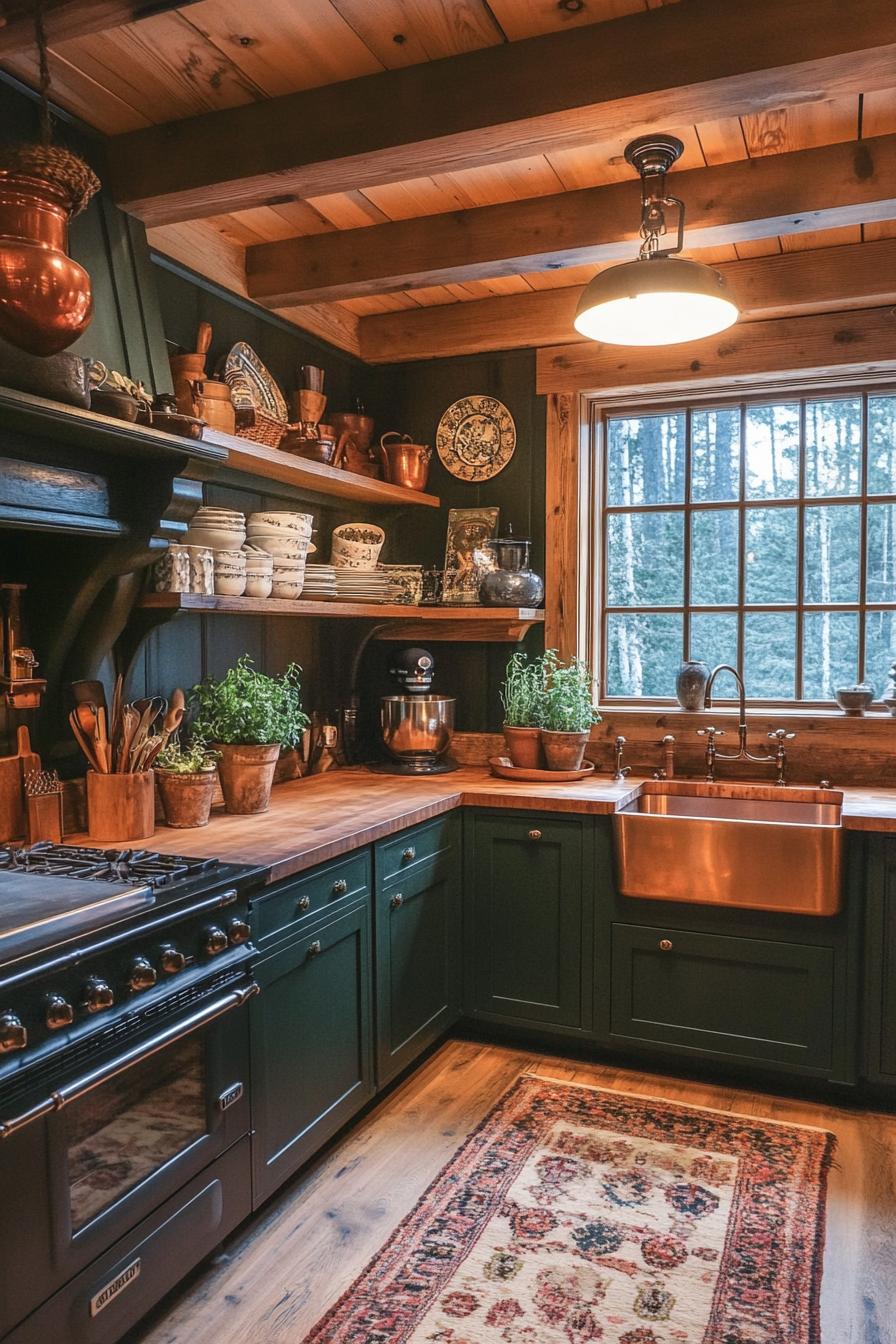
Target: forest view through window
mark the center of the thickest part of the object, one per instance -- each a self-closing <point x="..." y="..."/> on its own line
<point x="761" y="535"/>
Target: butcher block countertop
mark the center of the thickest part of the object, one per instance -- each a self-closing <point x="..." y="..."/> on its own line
<point x="312" y="820"/>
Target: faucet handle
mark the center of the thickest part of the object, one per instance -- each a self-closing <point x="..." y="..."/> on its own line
<point x="781" y="735"/>
<point x="710" y="732"/>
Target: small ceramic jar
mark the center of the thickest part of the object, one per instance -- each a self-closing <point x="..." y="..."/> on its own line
<point x="171" y="572"/>
<point x="259" y="585"/>
<point x="202" y="570"/>
<point x="356" y="546"/>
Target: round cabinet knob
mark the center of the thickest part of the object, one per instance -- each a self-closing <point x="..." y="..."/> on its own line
<point x="535" y="835"/>
<point x="340" y="887"/>
<point x="214" y="941"/>
<point x="665" y="944"/>
<point x="58" y="1012"/>
<point x="303" y="904"/>
<point x="397" y="901"/>
<point x="171" y="961"/>
<point x="13" y="1035"/>
<point x="314" y="949"/>
<point x="408" y="855"/>
<point x="238" y="931"/>
<point x="97" y="995"/>
<point x="141" y="975"/>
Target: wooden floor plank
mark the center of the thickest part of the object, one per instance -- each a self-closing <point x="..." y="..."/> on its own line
<point x="285" y="1267"/>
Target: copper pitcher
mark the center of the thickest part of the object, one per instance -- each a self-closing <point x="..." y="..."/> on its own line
<point x="405" y="463"/>
<point x="45" y="296"/>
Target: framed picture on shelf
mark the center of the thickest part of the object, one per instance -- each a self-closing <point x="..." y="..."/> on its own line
<point x="469" y="554"/>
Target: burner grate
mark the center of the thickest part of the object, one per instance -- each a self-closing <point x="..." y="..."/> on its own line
<point x="140" y="866"/>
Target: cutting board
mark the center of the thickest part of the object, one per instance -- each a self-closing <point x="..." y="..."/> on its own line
<point x="12" y="790"/>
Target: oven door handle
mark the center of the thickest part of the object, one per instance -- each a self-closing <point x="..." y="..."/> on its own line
<point x="88" y="1081"/>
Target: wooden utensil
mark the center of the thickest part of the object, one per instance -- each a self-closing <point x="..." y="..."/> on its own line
<point x="115" y="716"/>
<point x="129" y="721"/>
<point x="203" y="340"/>
<point x="12" y="774"/>
<point x="85" y="741"/>
<point x="30" y="759"/>
<point x="88" y="692"/>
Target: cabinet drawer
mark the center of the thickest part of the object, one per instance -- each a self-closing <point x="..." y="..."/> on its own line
<point x="737" y="998"/>
<point x="406" y="852"/>
<point x="282" y="909"/>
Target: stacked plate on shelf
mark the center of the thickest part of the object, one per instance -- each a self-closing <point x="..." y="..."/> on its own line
<point x="320" y="582"/>
<point x="362" y="585"/>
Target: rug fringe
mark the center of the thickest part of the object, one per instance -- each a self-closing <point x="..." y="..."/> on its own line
<point x="688" y="1105"/>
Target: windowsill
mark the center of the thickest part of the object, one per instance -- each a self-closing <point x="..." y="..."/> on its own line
<point x="729" y="709"/>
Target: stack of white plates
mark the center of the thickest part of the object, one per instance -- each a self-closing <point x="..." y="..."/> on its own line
<point x="320" y="582"/>
<point x="362" y="585"/>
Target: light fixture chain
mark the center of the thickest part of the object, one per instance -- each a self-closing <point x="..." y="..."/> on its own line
<point x="46" y="117"/>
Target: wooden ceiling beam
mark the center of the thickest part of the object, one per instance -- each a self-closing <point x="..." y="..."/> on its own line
<point x="861" y="275"/>
<point x="828" y="348"/>
<point x="806" y="189"/>
<point x="671" y="66"/>
<point x="64" y="19"/>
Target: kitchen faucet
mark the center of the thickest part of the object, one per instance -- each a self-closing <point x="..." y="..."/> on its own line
<point x="778" y="758"/>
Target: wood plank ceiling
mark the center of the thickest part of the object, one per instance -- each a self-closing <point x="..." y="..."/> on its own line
<point x="216" y="54"/>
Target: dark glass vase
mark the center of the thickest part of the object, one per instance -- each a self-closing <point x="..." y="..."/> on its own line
<point x="690" y="684"/>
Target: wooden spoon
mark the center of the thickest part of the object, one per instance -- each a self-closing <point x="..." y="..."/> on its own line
<point x="129" y="721"/>
<point x="84" y="741"/>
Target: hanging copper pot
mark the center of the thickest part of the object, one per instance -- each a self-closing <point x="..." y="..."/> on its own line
<point x="45" y="296"/>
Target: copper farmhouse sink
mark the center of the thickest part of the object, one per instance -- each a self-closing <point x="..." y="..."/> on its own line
<point x="750" y="846"/>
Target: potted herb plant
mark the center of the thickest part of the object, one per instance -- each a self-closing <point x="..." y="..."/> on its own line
<point x="247" y="717"/>
<point x="522" y="695"/>
<point x="186" y="778"/>
<point x="568" y="711"/>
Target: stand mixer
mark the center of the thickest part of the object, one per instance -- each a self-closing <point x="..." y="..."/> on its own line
<point x="416" y="726"/>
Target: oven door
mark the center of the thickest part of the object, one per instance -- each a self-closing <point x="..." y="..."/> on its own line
<point x="82" y="1166"/>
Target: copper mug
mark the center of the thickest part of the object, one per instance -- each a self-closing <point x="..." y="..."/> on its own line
<point x="405" y="463"/>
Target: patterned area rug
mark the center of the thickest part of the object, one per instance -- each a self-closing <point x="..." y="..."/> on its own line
<point x="573" y="1214"/>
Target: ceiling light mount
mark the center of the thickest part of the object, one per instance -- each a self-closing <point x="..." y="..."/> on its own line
<point x="661" y="298"/>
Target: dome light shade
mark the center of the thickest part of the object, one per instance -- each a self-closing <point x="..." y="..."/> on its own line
<point x="663" y="300"/>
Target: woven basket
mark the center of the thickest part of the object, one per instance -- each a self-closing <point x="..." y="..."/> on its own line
<point x="264" y="429"/>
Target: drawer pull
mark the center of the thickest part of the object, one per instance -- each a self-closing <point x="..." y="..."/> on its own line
<point x="303" y="904"/>
<point x="340" y="887"/>
<point x="535" y="835"/>
<point x="408" y="855"/>
<point x="314" y="949"/>
<point x="397" y="901"/>
<point x="665" y="944"/>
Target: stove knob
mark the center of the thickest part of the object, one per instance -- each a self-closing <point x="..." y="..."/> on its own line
<point x="170" y="960"/>
<point x="97" y="995"/>
<point x="214" y="940"/>
<point x="238" y="931"/>
<point x="59" y="1012"/>
<point x="142" y="974"/>
<point x="13" y="1035"/>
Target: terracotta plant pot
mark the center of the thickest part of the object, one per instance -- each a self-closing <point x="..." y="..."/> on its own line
<point x="246" y="774"/>
<point x="564" y="751"/>
<point x="524" y="747"/>
<point x="186" y="798"/>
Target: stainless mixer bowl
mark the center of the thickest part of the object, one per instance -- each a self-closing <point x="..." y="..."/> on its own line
<point x="417" y="727"/>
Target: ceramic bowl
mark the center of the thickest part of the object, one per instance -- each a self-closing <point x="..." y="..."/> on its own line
<point x="230" y="585"/>
<point x="280" y="521"/>
<point x="854" y="699"/>
<point x="406" y="582"/>
<point x="282" y="543"/>
<point x="259" y="585"/>
<point x="216" y="539"/>
<point x="235" y="558"/>
<point x="289" y="588"/>
<point x="356" y="546"/>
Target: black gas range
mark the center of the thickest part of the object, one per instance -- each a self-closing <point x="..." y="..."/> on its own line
<point x="124" y="977"/>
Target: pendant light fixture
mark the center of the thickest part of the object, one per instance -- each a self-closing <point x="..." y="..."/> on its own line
<point x="661" y="298"/>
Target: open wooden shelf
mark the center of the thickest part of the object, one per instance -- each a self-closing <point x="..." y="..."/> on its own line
<point x="273" y="465"/>
<point x="482" y="624"/>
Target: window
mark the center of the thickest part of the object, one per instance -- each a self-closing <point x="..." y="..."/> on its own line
<point x="761" y="534"/>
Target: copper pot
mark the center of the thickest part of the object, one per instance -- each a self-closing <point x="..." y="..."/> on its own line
<point x="358" y="456"/>
<point x="216" y="405"/>
<point x="45" y="296"/>
<point x="405" y="463"/>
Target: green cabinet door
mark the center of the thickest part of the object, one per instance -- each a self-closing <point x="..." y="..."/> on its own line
<point x="723" y="997"/>
<point x="418" y="967"/>
<point x="527" y="920"/>
<point x="880" y="970"/>
<point x="311" y="1034"/>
